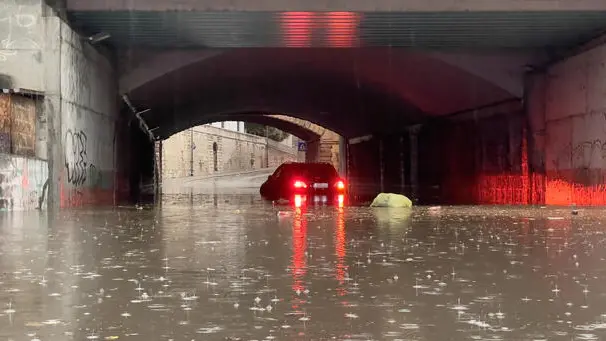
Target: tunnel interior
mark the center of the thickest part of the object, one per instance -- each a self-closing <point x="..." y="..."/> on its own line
<point x="459" y="159"/>
<point x="416" y="125"/>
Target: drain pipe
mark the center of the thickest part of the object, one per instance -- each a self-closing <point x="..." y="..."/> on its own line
<point x="142" y="123"/>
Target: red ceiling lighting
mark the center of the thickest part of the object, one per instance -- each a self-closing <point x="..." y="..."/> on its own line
<point x="341" y="28"/>
<point x="297" y="28"/>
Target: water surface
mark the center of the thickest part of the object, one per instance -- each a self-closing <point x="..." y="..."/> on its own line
<point x="232" y="267"/>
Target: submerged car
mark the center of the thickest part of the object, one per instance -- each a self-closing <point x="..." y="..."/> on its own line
<point x="297" y="182"/>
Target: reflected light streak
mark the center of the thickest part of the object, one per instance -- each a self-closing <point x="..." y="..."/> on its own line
<point x="299" y="248"/>
<point x="341" y="200"/>
<point x="298" y="201"/>
<point x="340" y="249"/>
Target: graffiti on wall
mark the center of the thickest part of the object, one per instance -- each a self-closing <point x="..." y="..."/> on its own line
<point x="78" y="168"/>
<point x="585" y="152"/>
<point x="76" y="157"/>
<point x="22" y="183"/>
<point x="582" y="153"/>
<point x="83" y="182"/>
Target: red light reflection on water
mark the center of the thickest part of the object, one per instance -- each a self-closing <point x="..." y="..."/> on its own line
<point x="299" y="247"/>
<point x="341" y="252"/>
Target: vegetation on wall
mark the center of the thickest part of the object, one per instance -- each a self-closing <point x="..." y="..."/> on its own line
<point x="260" y="130"/>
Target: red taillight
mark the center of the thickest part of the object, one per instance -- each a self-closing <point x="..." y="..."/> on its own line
<point x="340" y="185"/>
<point x="299" y="184"/>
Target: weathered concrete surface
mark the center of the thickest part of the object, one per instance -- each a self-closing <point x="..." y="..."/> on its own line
<point x="234" y="152"/>
<point x="23" y="183"/>
<point x="21" y="45"/>
<point x="73" y="122"/>
<point x="23" y="168"/>
<point x="568" y="111"/>
<point x="89" y="113"/>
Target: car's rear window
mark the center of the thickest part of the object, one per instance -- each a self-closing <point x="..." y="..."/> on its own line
<point x="310" y="169"/>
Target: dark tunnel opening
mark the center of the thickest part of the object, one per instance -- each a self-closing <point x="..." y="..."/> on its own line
<point x="142" y="166"/>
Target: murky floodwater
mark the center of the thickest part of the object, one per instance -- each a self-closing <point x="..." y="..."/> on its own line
<point x="235" y="268"/>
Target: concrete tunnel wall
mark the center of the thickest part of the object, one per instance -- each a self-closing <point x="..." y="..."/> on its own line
<point x="79" y="106"/>
<point x="567" y="110"/>
<point x="546" y="149"/>
<point x="469" y="159"/>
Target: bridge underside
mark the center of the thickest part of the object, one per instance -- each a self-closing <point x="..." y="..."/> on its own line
<point x="141" y="26"/>
<point x="442" y="103"/>
<point x="429" y="108"/>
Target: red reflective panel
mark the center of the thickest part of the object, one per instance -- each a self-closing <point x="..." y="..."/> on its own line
<point x="297" y="28"/>
<point x="342" y="27"/>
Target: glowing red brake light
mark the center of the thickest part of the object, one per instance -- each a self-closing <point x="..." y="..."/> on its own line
<point x="299" y="184"/>
<point x="340" y="185"/>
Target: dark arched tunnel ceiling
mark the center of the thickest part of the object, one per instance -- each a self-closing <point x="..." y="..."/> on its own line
<point x="350" y="91"/>
<point x="268" y="120"/>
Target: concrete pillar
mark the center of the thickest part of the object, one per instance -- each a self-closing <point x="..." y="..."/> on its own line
<point x="158" y="174"/>
<point x="342" y="156"/>
<point x="413" y="133"/>
<point x="191" y="151"/>
<point x="51" y="59"/>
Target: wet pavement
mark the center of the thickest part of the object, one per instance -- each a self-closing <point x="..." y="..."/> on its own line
<point x="232" y="267"/>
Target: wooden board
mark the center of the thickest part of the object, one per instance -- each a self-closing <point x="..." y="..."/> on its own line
<point x="5" y="123"/>
<point x="23" y="126"/>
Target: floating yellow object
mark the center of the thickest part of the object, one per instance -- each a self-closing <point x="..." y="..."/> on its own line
<point x="391" y="200"/>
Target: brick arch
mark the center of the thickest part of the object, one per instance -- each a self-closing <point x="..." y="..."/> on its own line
<point x="322" y="143"/>
<point x="304" y="130"/>
<point x="316" y="129"/>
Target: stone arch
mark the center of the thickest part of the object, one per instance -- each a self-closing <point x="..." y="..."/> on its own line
<point x="302" y="129"/>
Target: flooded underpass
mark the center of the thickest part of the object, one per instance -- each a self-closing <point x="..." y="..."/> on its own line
<point x="233" y="267"/>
